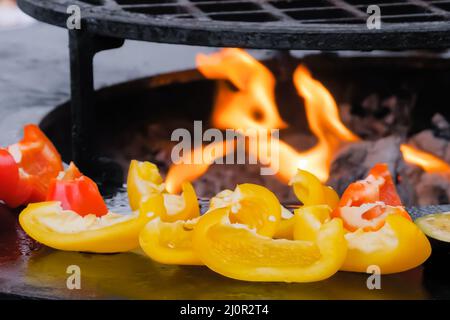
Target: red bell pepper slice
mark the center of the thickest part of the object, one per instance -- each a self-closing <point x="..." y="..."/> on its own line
<point x="366" y="203"/>
<point x="78" y="193"/>
<point x="378" y="186"/>
<point x="27" y="168"/>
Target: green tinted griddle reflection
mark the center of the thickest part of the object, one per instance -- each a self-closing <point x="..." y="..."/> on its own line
<point x="133" y="276"/>
<point x="30" y="270"/>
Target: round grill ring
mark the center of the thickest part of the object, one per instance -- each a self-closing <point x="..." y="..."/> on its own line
<point x="259" y="24"/>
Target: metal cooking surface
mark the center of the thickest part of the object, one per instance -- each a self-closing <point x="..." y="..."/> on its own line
<point x="270" y="24"/>
<point x="30" y="270"/>
<point x="303" y="11"/>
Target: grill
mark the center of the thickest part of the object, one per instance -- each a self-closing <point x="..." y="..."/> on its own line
<point x="262" y="24"/>
<point x="265" y="24"/>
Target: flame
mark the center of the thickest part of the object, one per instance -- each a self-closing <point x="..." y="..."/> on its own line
<point x="186" y="170"/>
<point x="428" y="162"/>
<point x="324" y="122"/>
<point x="251" y="104"/>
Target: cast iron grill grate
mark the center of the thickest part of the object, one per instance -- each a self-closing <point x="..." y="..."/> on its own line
<point x="301" y="11"/>
<point x="263" y="24"/>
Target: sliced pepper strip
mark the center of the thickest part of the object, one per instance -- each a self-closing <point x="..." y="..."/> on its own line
<point x="168" y="237"/>
<point x="171" y="208"/>
<point x="285" y="229"/>
<point x="309" y="220"/>
<point x="310" y="190"/>
<point x="368" y="217"/>
<point x="27" y="168"/>
<point x="378" y="186"/>
<point x="235" y="251"/>
<point x="398" y="246"/>
<point x="143" y="179"/>
<point x="169" y="242"/>
<point x="49" y="224"/>
<point x="15" y="188"/>
<point x="366" y="203"/>
<point x="146" y="192"/>
<point x="77" y="192"/>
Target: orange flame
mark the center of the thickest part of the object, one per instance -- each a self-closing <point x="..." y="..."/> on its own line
<point x="188" y="171"/>
<point x="324" y="122"/>
<point x="252" y="105"/>
<point x="428" y="162"/>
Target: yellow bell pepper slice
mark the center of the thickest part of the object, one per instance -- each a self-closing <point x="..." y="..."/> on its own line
<point x="285" y="229"/>
<point x="171" y="208"/>
<point x="146" y="192"/>
<point x="223" y="199"/>
<point x="49" y="224"/>
<point x="169" y="242"/>
<point x="309" y="220"/>
<point x="310" y="190"/>
<point x="398" y="246"/>
<point x="253" y="205"/>
<point x="143" y="179"/>
<point x="238" y="252"/>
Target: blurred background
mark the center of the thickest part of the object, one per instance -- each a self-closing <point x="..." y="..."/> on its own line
<point x="11" y="16"/>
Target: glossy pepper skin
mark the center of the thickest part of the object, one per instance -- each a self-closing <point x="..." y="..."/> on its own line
<point x="120" y="237"/>
<point x="398" y="246"/>
<point x="143" y="180"/>
<point x="157" y="204"/>
<point x="27" y="168"/>
<point x="168" y="239"/>
<point x="236" y="251"/>
<point x="169" y="242"/>
<point x="78" y="193"/>
<point x="378" y="186"/>
<point x="379" y="230"/>
<point x="164" y="240"/>
<point x="146" y="192"/>
<point x="310" y="191"/>
<point x="252" y="205"/>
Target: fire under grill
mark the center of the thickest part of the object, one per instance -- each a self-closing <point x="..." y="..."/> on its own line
<point x="365" y="108"/>
<point x="281" y="25"/>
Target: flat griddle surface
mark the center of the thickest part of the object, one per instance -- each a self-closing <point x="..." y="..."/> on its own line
<point x="30" y="270"/>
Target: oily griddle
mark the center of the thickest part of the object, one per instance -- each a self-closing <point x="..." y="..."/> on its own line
<point x="31" y="270"/>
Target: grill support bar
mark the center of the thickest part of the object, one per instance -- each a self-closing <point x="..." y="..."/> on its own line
<point x="83" y="46"/>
